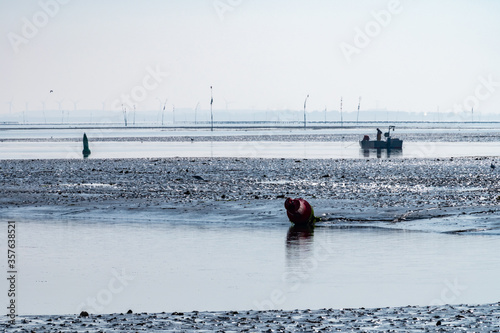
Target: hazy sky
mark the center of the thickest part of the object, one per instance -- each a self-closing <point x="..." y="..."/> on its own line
<point x="401" y="55"/>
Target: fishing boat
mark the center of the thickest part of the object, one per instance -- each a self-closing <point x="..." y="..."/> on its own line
<point x="389" y="143"/>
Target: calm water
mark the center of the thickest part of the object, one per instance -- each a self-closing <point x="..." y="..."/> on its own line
<point x="216" y="148"/>
<point x="65" y="266"/>
<point x="146" y="149"/>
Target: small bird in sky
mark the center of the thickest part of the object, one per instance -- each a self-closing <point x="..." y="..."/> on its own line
<point x="51" y="90"/>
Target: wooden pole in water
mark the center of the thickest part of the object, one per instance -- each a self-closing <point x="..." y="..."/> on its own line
<point x="196" y="109"/>
<point x="211" y="113"/>
<point x="124" y="110"/>
<point x="163" y="111"/>
<point x="341" y="117"/>
<point x="359" y="104"/>
<point x="305" y="102"/>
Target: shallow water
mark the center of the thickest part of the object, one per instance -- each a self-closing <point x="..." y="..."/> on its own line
<point x="262" y="149"/>
<point x="120" y="142"/>
<point x="111" y="266"/>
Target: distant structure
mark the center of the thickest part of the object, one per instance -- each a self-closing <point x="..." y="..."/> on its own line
<point x="173" y="114"/>
<point x="61" y="110"/>
<point x="305" y="104"/>
<point x="211" y="113"/>
<point x="359" y="104"/>
<point x="163" y="111"/>
<point x="86" y="150"/>
<point x="196" y="109"/>
<point x="10" y="105"/>
<point x="341" y="116"/>
<point x="124" y="110"/>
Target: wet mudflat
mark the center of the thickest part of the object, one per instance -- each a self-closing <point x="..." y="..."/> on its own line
<point x="354" y="190"/>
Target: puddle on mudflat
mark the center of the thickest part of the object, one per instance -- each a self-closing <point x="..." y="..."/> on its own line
<point x="171" y="266"/>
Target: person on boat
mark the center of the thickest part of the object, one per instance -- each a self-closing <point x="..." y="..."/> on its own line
<point x="379" y="134"/>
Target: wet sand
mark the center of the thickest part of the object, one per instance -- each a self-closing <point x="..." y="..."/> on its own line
<point x="395" y="191"/>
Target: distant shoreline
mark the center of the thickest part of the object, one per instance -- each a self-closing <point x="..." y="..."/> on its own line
<point x="237" y="125"/>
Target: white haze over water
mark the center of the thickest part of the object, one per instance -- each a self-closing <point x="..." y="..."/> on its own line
<point x="413" y="56"/>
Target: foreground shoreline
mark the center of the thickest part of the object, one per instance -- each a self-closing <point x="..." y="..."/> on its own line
<point x="445" y="318"/>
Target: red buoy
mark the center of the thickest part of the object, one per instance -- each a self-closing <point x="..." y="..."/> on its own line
<point x="299" y="211"/>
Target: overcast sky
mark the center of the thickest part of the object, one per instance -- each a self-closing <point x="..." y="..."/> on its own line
<point x="400" y="55"/>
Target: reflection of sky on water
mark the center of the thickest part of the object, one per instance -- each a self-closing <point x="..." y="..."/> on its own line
<point x="172" y="266"/>
<point x="258" y="149"/>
